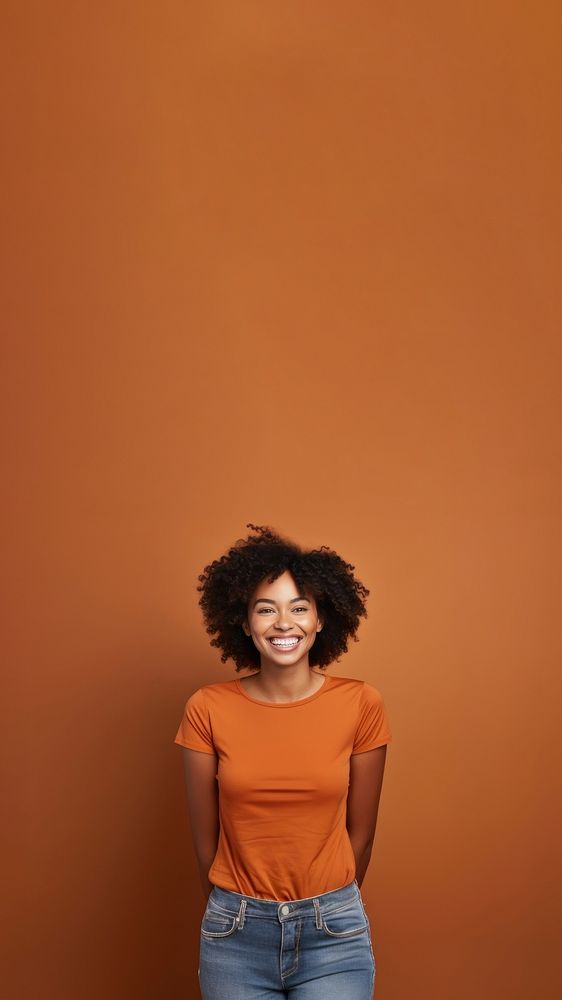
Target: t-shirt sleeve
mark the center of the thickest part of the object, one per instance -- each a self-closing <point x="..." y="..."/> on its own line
<point x="372" y="726"/>
<point x="195" y="730"/>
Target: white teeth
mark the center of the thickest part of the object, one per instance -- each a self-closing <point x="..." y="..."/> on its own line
<point x="284" y="642"/>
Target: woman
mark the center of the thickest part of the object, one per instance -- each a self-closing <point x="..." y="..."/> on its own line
<point x="284" y="770"/>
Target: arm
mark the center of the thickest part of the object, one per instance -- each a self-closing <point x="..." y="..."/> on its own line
<point x="366" y="772"/>
<point x="203" y="803"/>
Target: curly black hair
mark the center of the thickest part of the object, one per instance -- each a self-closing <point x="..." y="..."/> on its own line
<point x="227" y="584"/>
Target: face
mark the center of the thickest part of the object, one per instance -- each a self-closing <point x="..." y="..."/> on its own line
<point x="278" y="611"/>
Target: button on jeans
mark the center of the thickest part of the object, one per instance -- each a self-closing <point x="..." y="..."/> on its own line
<point x="318" y="948"/>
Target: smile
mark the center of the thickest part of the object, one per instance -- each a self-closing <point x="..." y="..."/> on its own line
<point x="285" y="643"/>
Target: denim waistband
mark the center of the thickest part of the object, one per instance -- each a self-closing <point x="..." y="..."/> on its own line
<point x="239" y="905"/>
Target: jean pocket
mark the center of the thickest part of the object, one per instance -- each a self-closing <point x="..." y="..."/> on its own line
<point x="345" y="921"/>
<point x="217" y="924"/>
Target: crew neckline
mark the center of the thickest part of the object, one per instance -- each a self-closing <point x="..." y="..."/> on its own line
<point x="283" y="704"/>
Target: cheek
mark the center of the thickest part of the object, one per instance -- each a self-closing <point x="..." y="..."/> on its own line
<point x="260" y="623"/>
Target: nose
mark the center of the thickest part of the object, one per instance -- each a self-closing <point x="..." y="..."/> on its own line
<point x="280" y="625"/>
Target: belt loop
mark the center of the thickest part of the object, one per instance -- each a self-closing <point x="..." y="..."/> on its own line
<point x="318" y="914"/>
<point x="241" y="914"/>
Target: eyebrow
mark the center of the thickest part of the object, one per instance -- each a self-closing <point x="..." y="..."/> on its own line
<point x="266" y="600"/>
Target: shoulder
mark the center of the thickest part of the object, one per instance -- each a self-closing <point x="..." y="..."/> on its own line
<point x="371" y="694"/>
<point x="211" y="693"/>
<point x="358" y="686"/>
<point x="359" y="695"/>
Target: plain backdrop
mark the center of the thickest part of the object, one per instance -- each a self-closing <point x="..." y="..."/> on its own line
<point x="294" y="264"/>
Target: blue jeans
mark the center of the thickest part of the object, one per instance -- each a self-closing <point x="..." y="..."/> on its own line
<point x="318" y="948"/>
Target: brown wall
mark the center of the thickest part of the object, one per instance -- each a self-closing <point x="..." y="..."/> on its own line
<point x="248" y="236"/>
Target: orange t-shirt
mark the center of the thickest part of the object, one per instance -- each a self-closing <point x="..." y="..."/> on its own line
<point x="283" y="779"/>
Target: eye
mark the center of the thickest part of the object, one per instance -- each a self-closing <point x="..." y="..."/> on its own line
<point x="261" y="611"/>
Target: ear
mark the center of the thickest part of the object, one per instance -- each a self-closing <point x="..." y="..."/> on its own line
<point x="246" y="628"/>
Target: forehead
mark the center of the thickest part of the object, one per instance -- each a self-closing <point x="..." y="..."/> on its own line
<point x="283" y="588"/>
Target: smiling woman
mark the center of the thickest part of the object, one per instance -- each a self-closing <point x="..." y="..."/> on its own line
<point x="284" y="772"/>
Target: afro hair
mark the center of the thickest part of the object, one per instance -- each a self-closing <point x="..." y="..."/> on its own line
<point x="226" y="586"/>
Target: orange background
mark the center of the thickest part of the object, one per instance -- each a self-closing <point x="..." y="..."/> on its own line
<point x="296" y="264"/>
